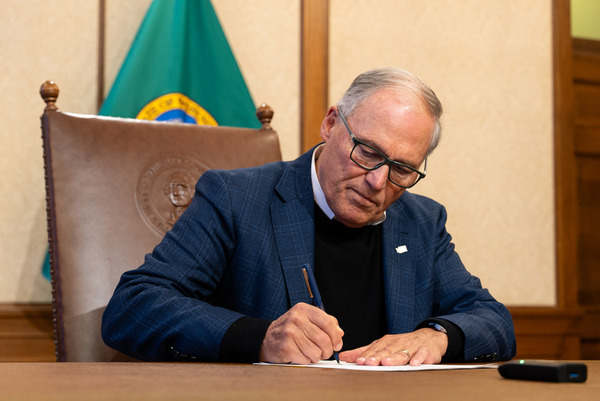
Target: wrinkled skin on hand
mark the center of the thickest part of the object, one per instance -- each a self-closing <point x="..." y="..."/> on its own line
<point x="304" y="334"/>
<point x="424" y="346"/>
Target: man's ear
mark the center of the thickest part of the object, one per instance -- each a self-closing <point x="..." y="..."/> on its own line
<point x="328" y="123"/>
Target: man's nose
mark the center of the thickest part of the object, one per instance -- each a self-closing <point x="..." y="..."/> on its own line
<point x="377" y="178"/>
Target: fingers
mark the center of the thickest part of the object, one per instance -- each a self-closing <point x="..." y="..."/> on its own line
<point x="304" y="334"/>
<point x="327" y="324"/>
<point x="377" y="353"/>
<point x="422" y="346"/>
<point x="386" y="351"/>
<point x="351" y="355"/>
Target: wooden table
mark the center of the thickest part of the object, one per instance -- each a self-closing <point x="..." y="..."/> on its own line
<point x="191" y="381"/>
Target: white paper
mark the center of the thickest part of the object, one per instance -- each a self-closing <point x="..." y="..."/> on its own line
<point x="401" y="368"/>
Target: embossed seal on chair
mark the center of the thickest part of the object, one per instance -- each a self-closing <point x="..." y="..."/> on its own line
<point x="165" y="189"/>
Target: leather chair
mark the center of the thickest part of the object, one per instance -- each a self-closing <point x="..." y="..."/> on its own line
<point x="114" y="187"/>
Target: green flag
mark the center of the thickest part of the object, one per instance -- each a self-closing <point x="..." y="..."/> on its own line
<point x="46" y="267"/>
<point x="180" y="68"/>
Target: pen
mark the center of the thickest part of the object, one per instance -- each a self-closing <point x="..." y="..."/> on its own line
<point x="315" y="296"/>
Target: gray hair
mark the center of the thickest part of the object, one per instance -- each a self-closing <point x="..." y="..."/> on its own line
<point x="406" y="83"/>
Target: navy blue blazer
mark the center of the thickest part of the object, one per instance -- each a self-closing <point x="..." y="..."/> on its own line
<point x="238" y="251"/>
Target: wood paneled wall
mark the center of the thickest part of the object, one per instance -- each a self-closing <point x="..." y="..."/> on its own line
<point x="547" y="333"/>
<point x="26" y="333"/>
<point x="586" y="83"/>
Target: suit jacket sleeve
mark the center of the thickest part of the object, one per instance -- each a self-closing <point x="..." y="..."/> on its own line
<point x="455" y="295"/>
<point x="173" y="305"/>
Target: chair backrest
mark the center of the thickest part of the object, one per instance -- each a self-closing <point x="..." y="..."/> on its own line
<point x="114" y="187"/>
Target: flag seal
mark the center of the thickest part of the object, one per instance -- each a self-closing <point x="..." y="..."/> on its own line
<point x="176" y="107"/>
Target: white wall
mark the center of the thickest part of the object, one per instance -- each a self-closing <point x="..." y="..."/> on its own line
<point x="489" y="61"/>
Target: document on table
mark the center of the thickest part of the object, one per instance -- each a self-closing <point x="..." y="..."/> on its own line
<point x="401" y="368"/>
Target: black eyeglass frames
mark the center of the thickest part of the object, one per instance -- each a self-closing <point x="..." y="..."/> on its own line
<point x="369" y="158"/>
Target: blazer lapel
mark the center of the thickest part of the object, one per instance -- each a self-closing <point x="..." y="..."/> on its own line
<point x="399" y="254"/>
<point x="292" y="218"/>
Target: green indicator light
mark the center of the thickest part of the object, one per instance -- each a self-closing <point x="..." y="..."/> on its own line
<point x="522" y="361"/>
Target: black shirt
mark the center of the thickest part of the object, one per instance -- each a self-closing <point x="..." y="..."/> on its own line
<point x="348" y="270"/>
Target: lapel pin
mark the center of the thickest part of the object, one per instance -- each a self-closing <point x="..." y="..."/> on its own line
<point x="401" y="249"/>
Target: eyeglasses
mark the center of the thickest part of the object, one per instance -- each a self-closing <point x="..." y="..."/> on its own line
<point x="369" y="158"/>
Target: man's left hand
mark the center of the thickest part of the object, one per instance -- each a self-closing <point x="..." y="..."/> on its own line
<point x="421" y="346"/>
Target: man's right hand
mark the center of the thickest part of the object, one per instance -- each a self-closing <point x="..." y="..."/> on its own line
<point x="302" y="335"/>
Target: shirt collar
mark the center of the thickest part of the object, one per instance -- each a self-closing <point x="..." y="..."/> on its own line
<point x="318" y="193"/>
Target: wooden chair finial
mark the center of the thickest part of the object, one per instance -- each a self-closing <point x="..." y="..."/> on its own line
<point x="264" y="113"/>
<point x="49" y="92"/>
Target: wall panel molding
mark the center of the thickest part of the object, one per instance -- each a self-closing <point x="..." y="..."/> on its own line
<point x="26" y="333"/>
<point x="547" y="333"/>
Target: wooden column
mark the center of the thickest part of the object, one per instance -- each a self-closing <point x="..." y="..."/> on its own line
<point x="101" y="52"/>
<point x="564" y="158"/>
<point x="586" y="129"/>
<point x="314" y="70"/>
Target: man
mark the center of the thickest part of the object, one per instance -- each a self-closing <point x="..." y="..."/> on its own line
<point x="226" y="283"/>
